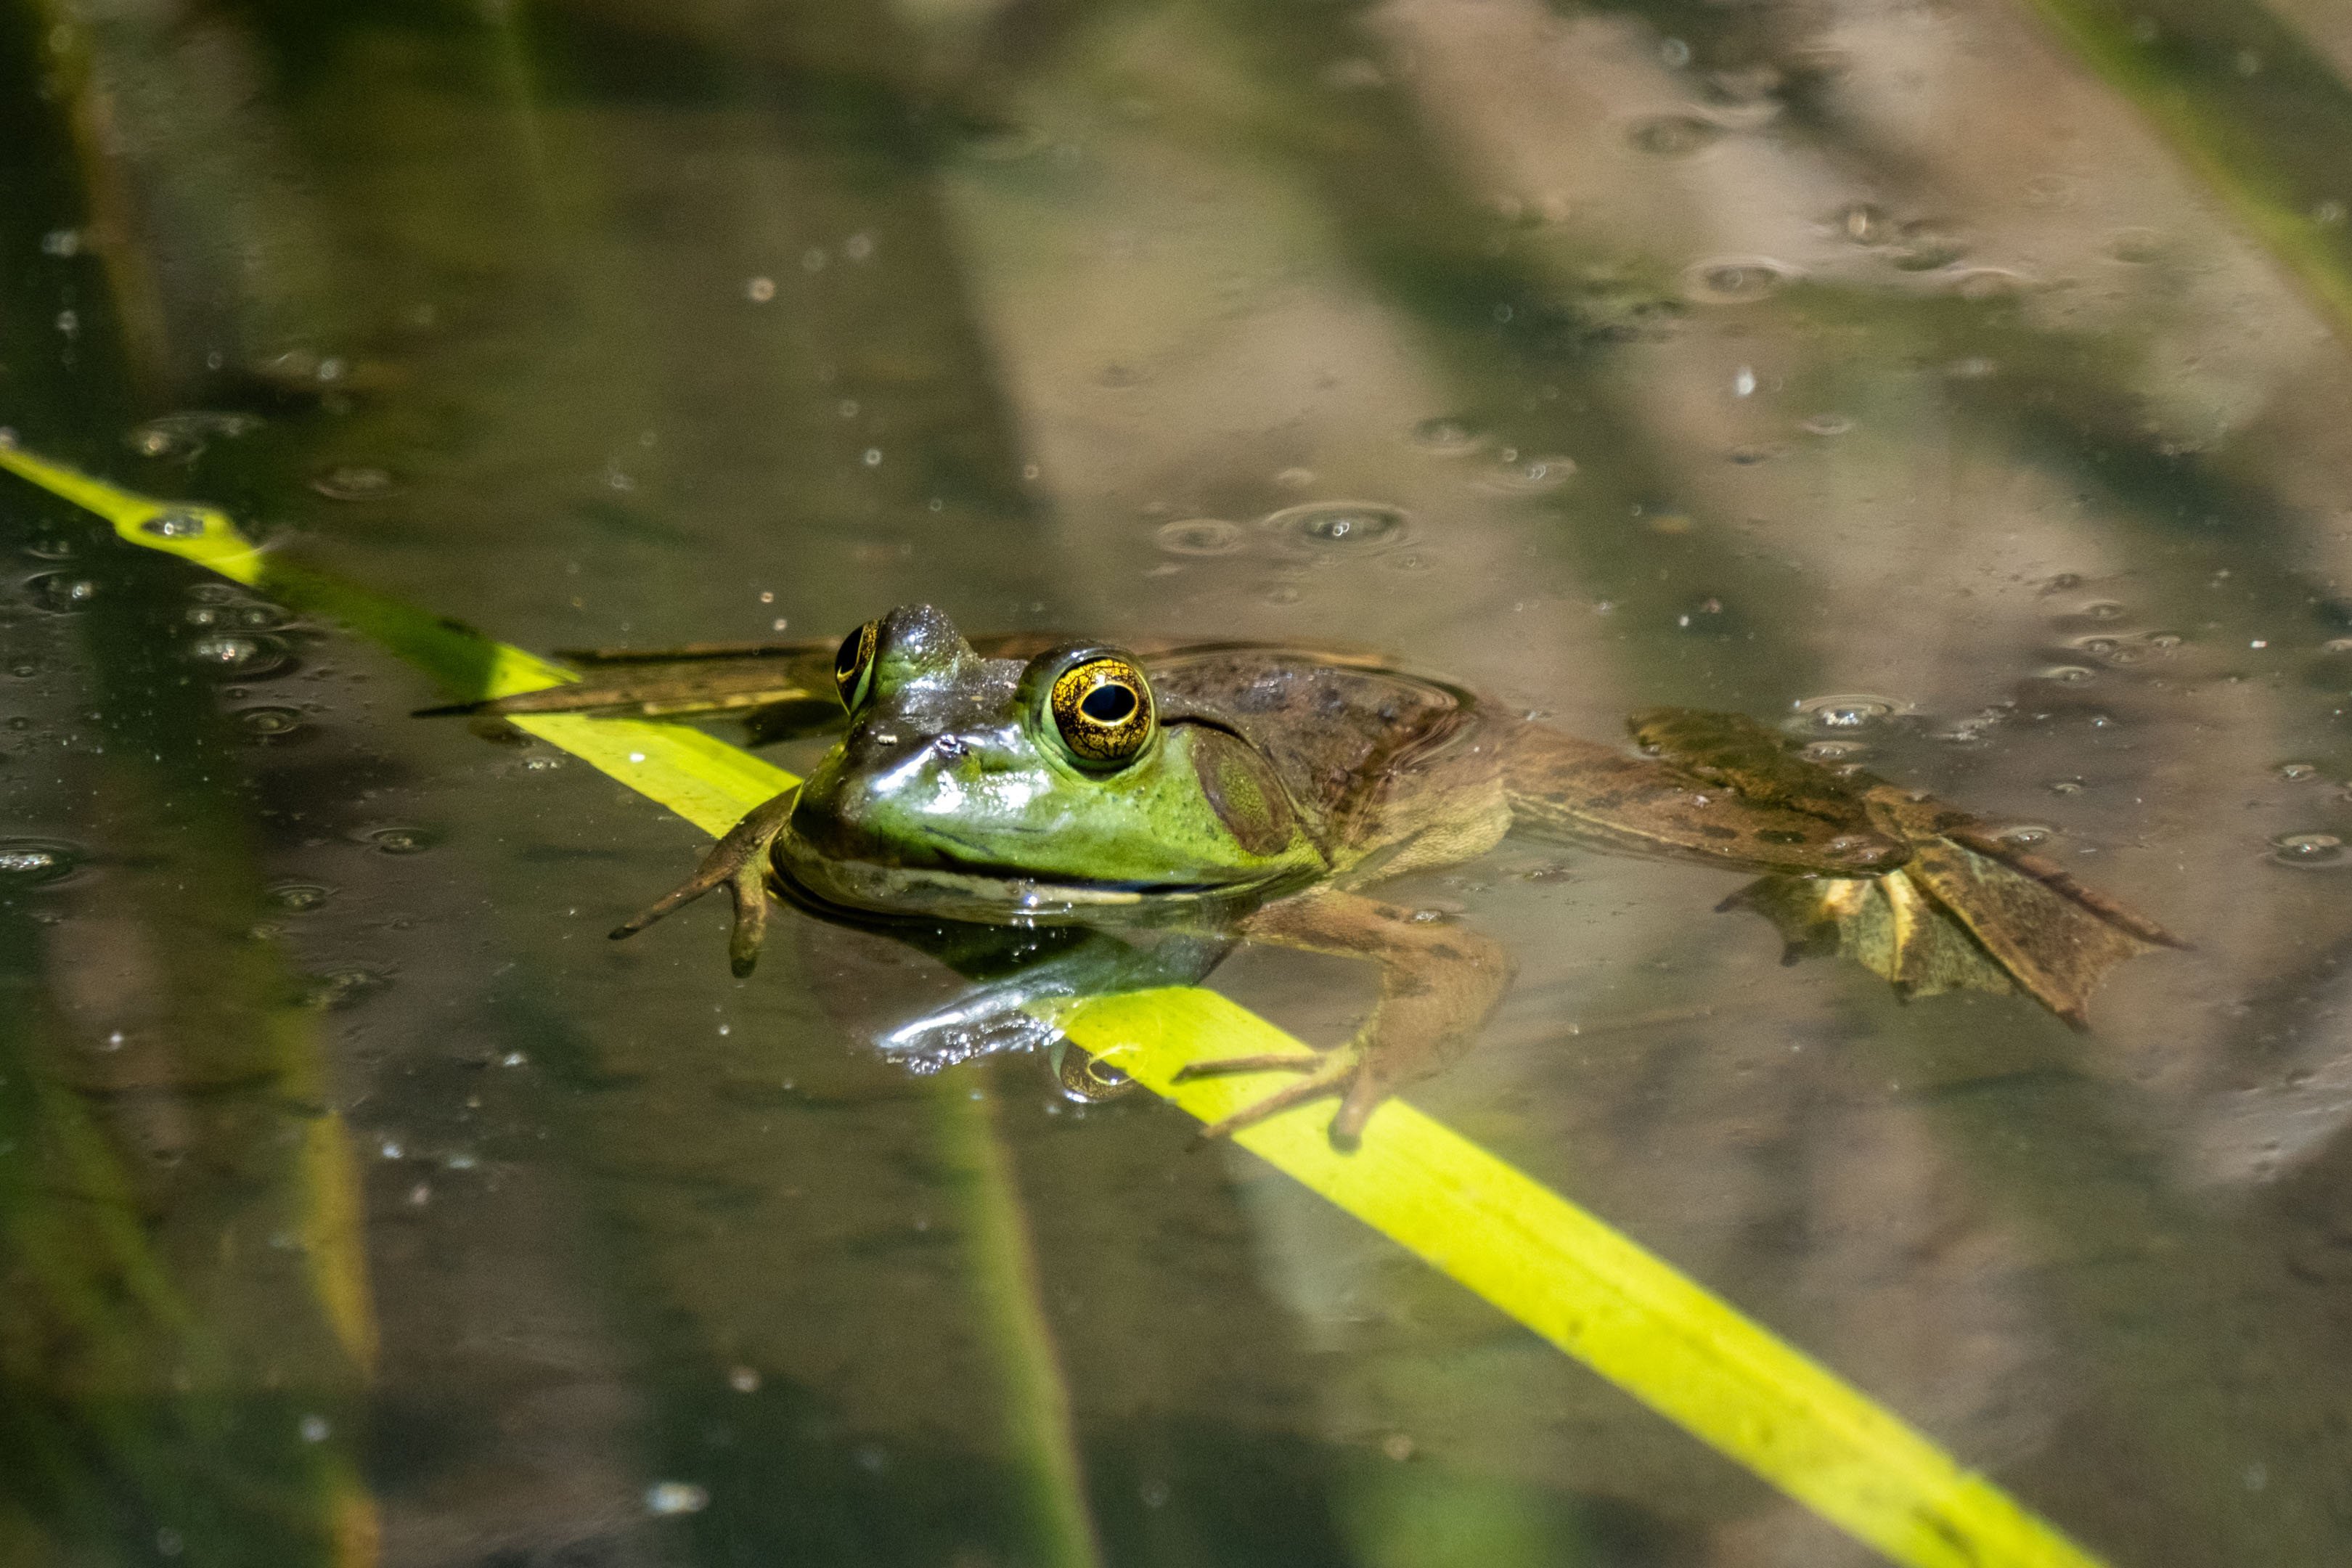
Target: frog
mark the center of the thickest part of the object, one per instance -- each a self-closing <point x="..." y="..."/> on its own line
<point x="1261" y="792"/>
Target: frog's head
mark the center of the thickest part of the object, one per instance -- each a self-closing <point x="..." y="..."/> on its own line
<point x="1056" y="790"/>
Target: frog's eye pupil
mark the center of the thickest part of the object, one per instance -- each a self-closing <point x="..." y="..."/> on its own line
<point x="1102" y="709"/>
<point x="1108" y="704"/>
<point x="853" y="665"/>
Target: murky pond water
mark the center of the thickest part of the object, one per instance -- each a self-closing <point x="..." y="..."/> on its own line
<point x="1911" y="377"/>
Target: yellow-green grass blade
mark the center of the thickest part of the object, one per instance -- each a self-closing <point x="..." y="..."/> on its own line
<point x="1592" y="1291"/>
<point x="1571" y="1278"/>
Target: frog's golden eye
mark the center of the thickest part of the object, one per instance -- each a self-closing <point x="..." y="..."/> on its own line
<point x="1102" y="707"/>
<point x="853" y="665"/>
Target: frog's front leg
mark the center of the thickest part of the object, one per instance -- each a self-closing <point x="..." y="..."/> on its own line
<point x="1438" y="983"/>
<point x="739" y="861"/>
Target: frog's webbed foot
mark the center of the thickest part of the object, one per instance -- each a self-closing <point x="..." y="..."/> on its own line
<point x="1334" y="1072"/>
<point x="739" y="863"/>
<point x="1967" y="911"/>
<point x="1437" y="984"/>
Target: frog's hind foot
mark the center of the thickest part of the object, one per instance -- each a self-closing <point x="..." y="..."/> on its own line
<point x="739" y="862"/>
<point x="1335" y="1072"/>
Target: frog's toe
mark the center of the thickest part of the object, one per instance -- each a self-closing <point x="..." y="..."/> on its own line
<point x="1338" y="1072"/>
<point x="739" y="863"/>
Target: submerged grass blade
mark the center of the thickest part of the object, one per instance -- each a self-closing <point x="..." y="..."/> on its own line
<point x="1580" y="1284"/>
<point x="2267" y="141"/>
<point x="1005" y="1263"/>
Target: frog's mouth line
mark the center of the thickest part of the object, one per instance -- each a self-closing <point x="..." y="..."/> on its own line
<point x="986" y="893"/>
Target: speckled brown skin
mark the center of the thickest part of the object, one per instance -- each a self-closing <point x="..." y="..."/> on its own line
<point x="1386" y="772"/>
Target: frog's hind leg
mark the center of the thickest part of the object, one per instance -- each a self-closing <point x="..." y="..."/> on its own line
<point x="739" y="863"/>
<point x="1438" y="983"/>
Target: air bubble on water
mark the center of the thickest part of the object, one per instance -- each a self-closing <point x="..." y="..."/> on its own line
<point x="2065" y="786"/>
<point x="297" y="897"/>
<point x="1982" y="284"/>
<point x="1349" y="525"/>
<point x="1674" y="135"/>
<point x="30" y="862"/>
<point x="2067" y="674"/>
<point x="677" y="1496"/>
<point x="1200" y="536"/>
<point x="61" y="592"/>
<point x="2025" y="835"/>
<point x="314" y="1428"/>
<point x="744" y="1380"/>
<point x="1527" y="476"/>
<point x="353" y="481"/>
<point x="243" y="655"/>
<point x="347" y="985"/>
<point x="399" y="840"/>
<point x="1735" y="280"/>
<point x="2307" y="849"/>
<point x="2101" y="610"/>
<point x="2295" y="773"/>
<point x="2166" y="639"/>
<point x="175" y="525"/>
<point x="1446" y="437"/>
<point x="1923" y="246"/>
<point x="267" y="724"/>
<point x="1849" y="710"/>
<point x="1827" y="424"/>
<point x="165" y="444"/>
<point x="1834" y="750"/>
<point x="247" y="616"/>
<point x="1866" y="225"/>
<point x="1280" y="593"/>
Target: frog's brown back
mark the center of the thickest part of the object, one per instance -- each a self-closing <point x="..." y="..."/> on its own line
<point x="1336" y="728"/>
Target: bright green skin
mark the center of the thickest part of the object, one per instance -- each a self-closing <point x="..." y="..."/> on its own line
<point x="953" y="794"/>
